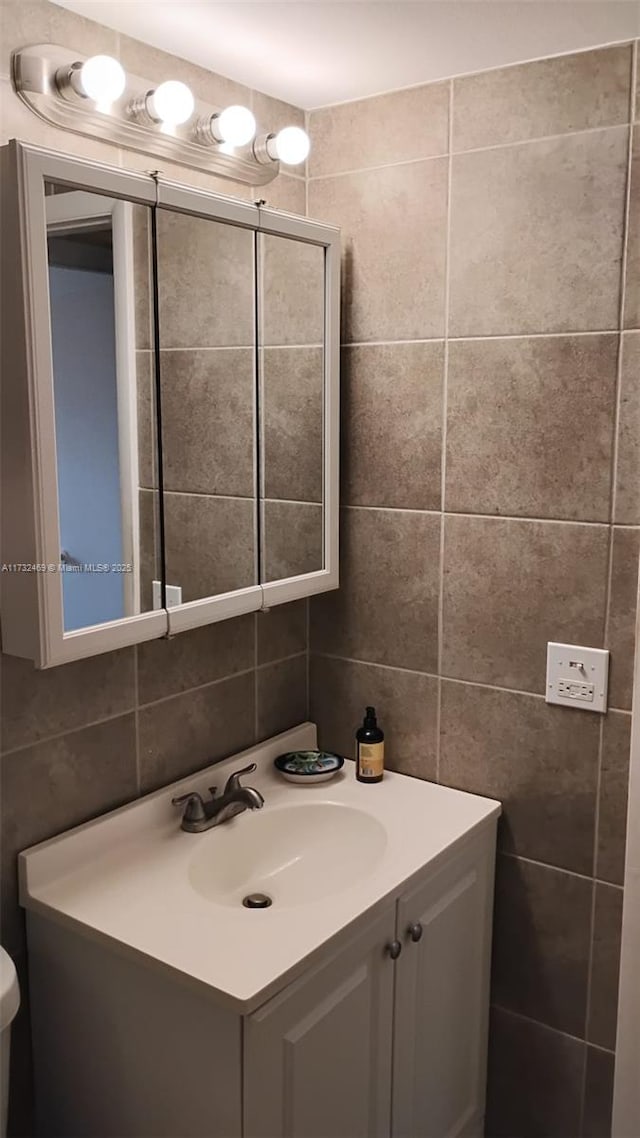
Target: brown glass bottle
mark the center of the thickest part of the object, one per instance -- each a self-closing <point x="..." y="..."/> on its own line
<point x="370" y="749"/>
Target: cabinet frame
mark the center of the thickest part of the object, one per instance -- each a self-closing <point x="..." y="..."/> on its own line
<point x="32" y="602"/>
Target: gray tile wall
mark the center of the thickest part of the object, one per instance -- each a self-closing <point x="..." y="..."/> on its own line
<point x="491" y="502"/>
<point x="83" y="738"/>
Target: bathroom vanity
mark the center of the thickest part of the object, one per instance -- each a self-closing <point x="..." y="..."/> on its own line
<point x="355" y="1006"/>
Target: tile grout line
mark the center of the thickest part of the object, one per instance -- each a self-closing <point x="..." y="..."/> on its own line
<point x="224" y="679"/>
<point x="198" y="348"/>
<point x="610" y="552"/>
<point x="444" y="678"/>
<point x="634" y="52"/>
<point x="131" y="709"/>
<point x="308" y="631"/>
<point x="307" y="127"/>
<point x="542" y="138"/>
<point x="443" y="437"/>
<point x="587" y="1010"/>
<point x="467" y="514"/>
<point x="122" y="714"/>
<point x="599" y="1047"/>
<point x="547" y="1026"/>
<point x="557" y="868"/>
<point x="471" y="150"/>
<point x="570" y="333"/>
<point x="534" y="335"/>
<point x="379" y="166"/>
<point x="231" y="497"/>
<point x="136" y="704"/>
<point x="621" y="311"/>
<point x="255" y="674"/>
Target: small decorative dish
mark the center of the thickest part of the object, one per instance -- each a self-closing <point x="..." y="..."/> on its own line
<point x="308" y="766"/>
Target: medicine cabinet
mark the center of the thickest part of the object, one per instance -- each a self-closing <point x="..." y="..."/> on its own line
<point x="169" y="407"/>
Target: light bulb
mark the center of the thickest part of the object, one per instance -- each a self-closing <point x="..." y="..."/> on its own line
<point x="291" y="145"/>
<point x="235" y="125"/>
<point x="100" y="78"/>
<point x="171" y="103"/>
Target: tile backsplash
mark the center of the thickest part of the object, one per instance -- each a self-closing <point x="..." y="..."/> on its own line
<point x="490" y="494"/>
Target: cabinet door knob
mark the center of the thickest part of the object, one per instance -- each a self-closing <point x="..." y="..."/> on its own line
<point x="415" y="931"/>
<point x="394" y="949"/>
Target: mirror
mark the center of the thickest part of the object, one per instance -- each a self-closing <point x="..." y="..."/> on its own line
<point x="206" y="320"/>
<point x="98" y="258"/>
<point x="181" y="407"/>
<point x="228" y="344"/>
<point x="291" y="371"/>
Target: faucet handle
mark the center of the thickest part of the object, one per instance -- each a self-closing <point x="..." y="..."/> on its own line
<point x="233" y="781"/>
<point x="194" y="810"/>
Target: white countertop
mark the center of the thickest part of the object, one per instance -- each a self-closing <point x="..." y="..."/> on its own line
<point x="125" y="876"/>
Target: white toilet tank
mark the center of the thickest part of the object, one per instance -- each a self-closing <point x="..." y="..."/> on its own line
<point x="9" y="1004"/>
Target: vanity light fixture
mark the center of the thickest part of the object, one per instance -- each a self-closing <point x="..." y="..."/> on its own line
<point x="235" y="126"/>
<point x="94" y="97"/>
<point x="290" y="145"/>
<point x="100" y="78"/>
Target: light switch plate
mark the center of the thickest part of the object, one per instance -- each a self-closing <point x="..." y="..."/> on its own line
<point x="577" y="677"/>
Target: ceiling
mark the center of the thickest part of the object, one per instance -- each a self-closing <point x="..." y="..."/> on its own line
<point x="312" y="53"/>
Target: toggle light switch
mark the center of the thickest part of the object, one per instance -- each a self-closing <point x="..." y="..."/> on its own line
<point x="577" y="677"/>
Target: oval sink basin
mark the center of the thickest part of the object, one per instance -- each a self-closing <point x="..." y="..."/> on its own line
<point x="294" y="854"/>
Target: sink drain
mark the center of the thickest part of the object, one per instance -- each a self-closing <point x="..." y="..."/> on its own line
<point x="257" y="901"/>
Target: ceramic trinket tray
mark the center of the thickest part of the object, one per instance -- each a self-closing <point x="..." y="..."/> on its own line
<point x="308" y="766"/>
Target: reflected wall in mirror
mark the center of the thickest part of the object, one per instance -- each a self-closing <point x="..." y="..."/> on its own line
<point x="206" y="319"/>
<point x="291" y="370"/>
<point x="99" y="293"/>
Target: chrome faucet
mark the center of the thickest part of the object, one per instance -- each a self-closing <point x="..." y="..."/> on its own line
<point x="201" y="815"/>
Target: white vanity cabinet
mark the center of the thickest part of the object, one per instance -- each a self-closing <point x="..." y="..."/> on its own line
<point x="355" y="1006"/>
<point x="365" y="1046"/>
<point x="360" y="1045"/>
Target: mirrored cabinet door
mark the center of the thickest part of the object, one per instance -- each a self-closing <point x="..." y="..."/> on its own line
<point x="291" y="376"/>
<point x="98" y="267"/>
<point x="206" y="334"/>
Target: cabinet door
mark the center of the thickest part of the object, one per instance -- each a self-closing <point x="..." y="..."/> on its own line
<point x="442" y="994"/>
<point x="318" y="1056"/>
